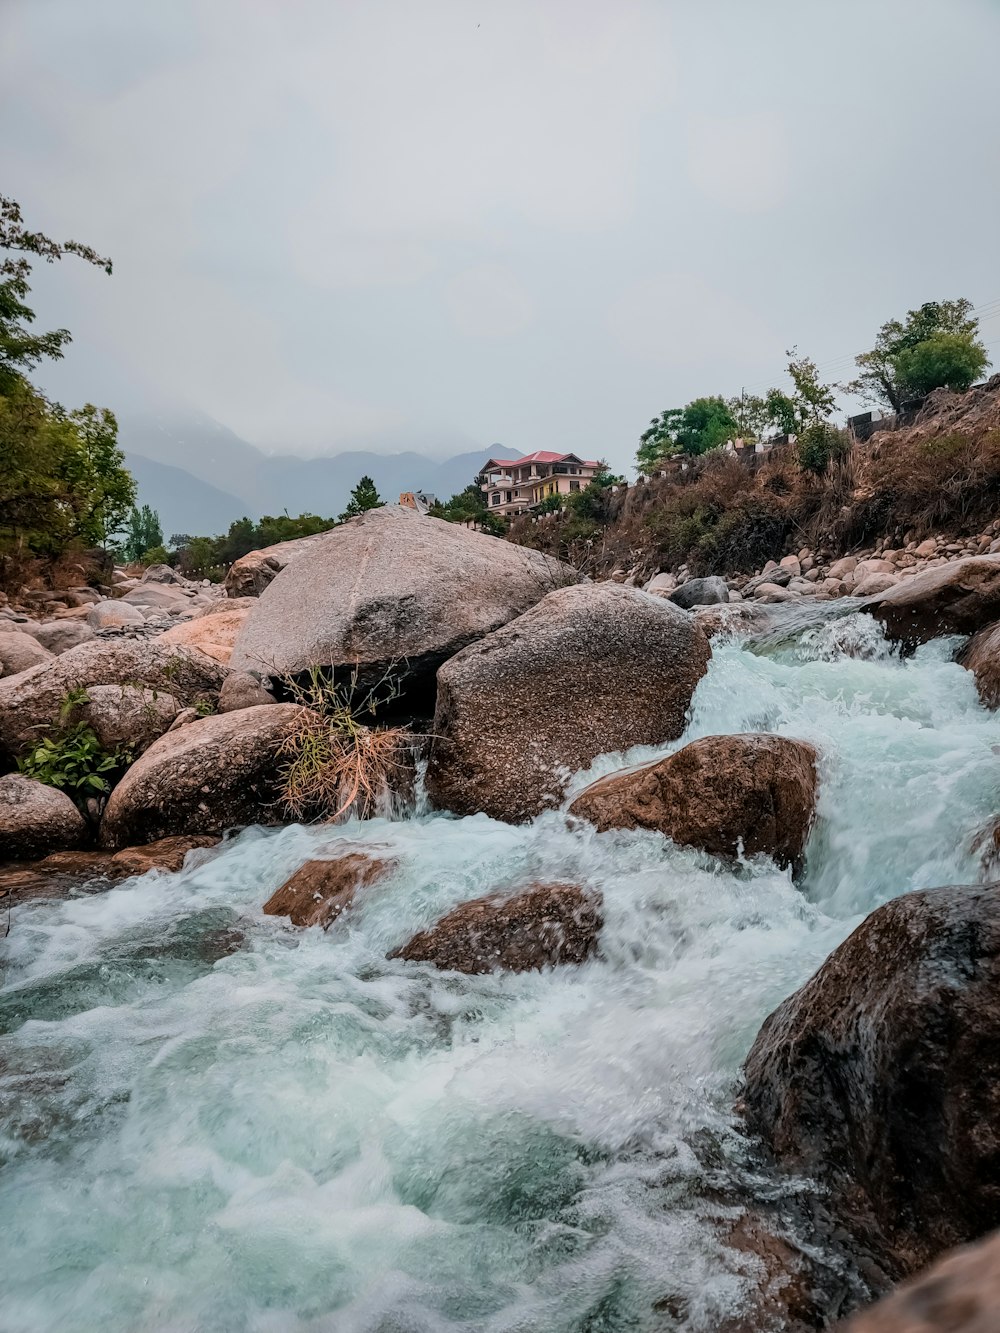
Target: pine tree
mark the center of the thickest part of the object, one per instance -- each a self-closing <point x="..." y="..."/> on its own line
<point x="363" y="497"/>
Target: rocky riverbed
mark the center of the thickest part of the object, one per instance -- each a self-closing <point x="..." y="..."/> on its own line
<point x="504" y="1060"/>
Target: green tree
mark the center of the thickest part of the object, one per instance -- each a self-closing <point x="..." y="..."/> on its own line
<point x="703" y="424"/>
<point x="20" y="348"/>
<point x="142" y="532"/>
<point x="943" y="361"/>
<point x="891" y="372"/>
<point x="363" y="497"/>
<point x="99" y="490"/>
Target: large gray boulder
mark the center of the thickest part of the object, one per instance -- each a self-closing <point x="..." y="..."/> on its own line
<point x="214" y="774"/>
<point x="392" y="588"/>
<point x="30" y="703"/>
<point x="59" y="636"/>
<point x="158" y="596"/>
<point x="114" y="614"/>
<point x="36" y="819"/>
<point x="20" y="652"/>
<point x="590" y="669"/>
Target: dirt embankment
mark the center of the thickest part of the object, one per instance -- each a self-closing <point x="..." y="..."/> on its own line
<point x="720" y="515"/>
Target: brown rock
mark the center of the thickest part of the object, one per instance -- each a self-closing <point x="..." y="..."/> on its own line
<point x="320" y="891"/>
<point x="35" y="819"/>
<point x="208" y="776"/>
<point x="62" y="873"/>
<point x="212" y="634"/>
<point x="873" y="583"/>
<point x="960" y="597"/>
<point x="880" y="1077"/>
<point x="590" y="669"/>
<point x="720" y="793"/>
<point x="251" y="574"/>
<point x="543" y="926"/>
<point x="241" y="690"/>
<point x="981" y="656"/>
<point x="959" y="1294"/>
<point x="392" y="588"/>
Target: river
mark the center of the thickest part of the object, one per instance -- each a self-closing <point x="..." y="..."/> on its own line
<point x="211" y="1121"/>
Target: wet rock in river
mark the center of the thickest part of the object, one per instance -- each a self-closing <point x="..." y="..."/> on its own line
<point x="544" y="925"/>
<point x="320" y="890"/>
<point x="880" y="1077"/>
<point x="754" y="792"/>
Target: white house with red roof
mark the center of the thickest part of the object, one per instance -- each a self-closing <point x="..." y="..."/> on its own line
<point x="517" y="485"/>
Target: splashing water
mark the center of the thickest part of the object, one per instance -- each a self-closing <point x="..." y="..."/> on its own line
<point x="212" y="1121"/>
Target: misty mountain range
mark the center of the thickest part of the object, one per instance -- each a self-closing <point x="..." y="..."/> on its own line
<point x="200" y="476"/>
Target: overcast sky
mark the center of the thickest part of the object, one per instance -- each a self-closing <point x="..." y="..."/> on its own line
<point x="354" y="222"/>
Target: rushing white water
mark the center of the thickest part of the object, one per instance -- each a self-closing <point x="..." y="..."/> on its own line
<point x="210" y="1120"/>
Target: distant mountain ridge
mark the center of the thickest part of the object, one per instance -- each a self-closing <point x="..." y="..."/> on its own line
<point x="200" y="476"/>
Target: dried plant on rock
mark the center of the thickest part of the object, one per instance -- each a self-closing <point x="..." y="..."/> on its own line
<point x="336" y="765"/>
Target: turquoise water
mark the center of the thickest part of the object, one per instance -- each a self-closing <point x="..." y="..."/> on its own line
<point x="212" y="1121"/>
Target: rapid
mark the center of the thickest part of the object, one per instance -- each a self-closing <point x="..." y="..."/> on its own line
<point x="211" y="1120"/>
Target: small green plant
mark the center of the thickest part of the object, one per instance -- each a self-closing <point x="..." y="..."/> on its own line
<point x="336" y="764"/>
<point x="72" y="758"/>
<point x="204" y="707"/>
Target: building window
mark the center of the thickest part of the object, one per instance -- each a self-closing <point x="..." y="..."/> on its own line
<point x="507" y="497"/>
<point x="495" y="498"/>
<point x="574" y="485"/>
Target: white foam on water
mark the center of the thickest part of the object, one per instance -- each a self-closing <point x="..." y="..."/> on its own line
<point x="300" y="1135"/>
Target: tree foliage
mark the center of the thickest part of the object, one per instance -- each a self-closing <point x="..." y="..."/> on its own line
<point x="143" y="533"/>
<point x="363" y="497"/>
<point x="935" y="346"/>
<point x="63" y="479"/>
<point x="703" y="424"/>
<point x="20" y="348"/>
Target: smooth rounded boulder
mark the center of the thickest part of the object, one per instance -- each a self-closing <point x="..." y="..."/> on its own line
<point x="880" y="1077"/>
<point x="752" y="793"/>
<point x="545" y="925"/>
<point x="36" y="819"/>
<point x="218" y="773"/>
<point x="59" y="636"/>
<point x="114" y="614"/>
<point x="127" y="718"/>
<point x="960" y="597"/>
<point x="701" y="592"/>
<point x="590" y="669"/>
<point x="30" y="703"/>
<point x="21" y="652"/>
<point x="391" y="590"/>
